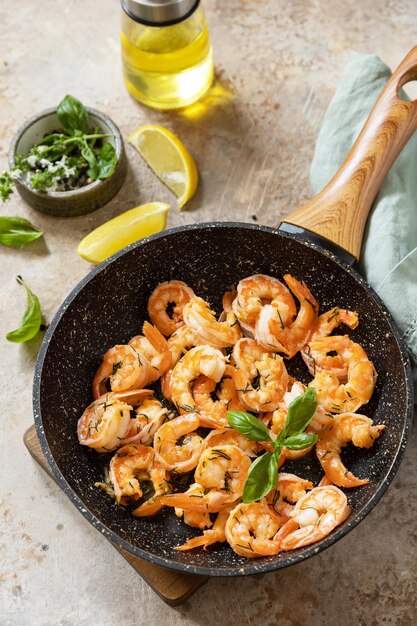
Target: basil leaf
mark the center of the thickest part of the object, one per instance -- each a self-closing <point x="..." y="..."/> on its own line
<point x="31" y="321"/>
<point x="106" y="161"/>
<point x="300" y="412"/>
<point x="72" y="115"/>
<point x="300" y="441"/>
<point x="248" y="425"/>
<point x="90" y="157"/>
<point x="262" y="477"/>
<point x="16" y="231"/>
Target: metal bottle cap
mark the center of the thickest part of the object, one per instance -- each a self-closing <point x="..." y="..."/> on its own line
<point x="159" y="12"/>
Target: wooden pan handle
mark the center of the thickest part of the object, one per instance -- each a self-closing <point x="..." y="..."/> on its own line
<point x="339" y="212"/>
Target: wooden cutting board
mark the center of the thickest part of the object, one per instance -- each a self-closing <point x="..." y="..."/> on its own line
<point x="173" y="587"/>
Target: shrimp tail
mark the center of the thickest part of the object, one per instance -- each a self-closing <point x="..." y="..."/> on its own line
<point x="184" y="501"/>
<point x="336" y="472"/>
<point x="155" y="337"/>
<point x="149" y="508"/>
<point x="208" y="538"/>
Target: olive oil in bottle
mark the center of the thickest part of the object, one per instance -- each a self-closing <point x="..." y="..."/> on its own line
<point x="166" y="52"/>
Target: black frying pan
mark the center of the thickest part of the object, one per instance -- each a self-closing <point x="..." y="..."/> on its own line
<point x="109" y="305"/>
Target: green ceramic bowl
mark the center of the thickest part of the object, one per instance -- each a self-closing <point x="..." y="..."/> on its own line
<point x="77" y="201"/>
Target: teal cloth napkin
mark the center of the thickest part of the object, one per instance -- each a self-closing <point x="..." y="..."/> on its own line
<point x="389" y="253"/>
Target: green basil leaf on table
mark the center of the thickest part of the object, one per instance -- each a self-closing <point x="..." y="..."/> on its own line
<point x="248" y="425"/>
<point x="72" y="115"/>
<point x="262" y="477"/>
<point x="106" y="161"/>
<point x="300" y="441"/>
<point x="300" y="412"/>
<point x="17" y="231"/>
<point x="31" y="321"/>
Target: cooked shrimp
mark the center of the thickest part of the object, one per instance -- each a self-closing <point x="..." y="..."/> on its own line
<point x="278" y="418"/>
<point x="152" y="346"/>
<point x="173" y="292"/>
<point x="261" y="378"/>
<point x="175" y="455"/>
<point x="344" y="428"/>
<point x="251" y="530"/>
<point x="124" y="368"/>
<point x="217" y="534"/>
<point x="347" y="398"/>
<point x="106" y="421"/>
<point x="150" y="415"/>
<point x="201" y="319"/>
<point x="319" y="420"/>
<point x="290" y="489"/>
<point x="317" y="360"/>
<point x="205" y="388"/>
<point x="180" y="342"/>
<point x="254" y="292"/>
<point x="314" y="516"/>
<point x="293" y="487"/>
<point x="195" y="519"/>
<point x="245" y="353"/>
<point x="222" y="472"/>
<point x="131" y="465"/>
<point x="276" y="334"/>
<point x="200" y="360"/>
<point x="230" y="437"/>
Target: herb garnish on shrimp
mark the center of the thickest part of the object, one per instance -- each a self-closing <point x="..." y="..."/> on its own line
<point x="263" y="473"/>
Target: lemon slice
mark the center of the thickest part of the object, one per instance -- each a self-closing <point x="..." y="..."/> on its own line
<point x="122" y="230"/>
<point x="167" y="156"/>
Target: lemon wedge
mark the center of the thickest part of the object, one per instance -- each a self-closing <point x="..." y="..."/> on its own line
<point x="122" y="230"/>
<point x="167" y="156"/>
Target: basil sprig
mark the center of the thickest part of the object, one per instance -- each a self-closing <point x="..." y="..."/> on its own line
<point x="16" y="231"/>
<point x="31" y="321"/>
<point x="263" y="473"/>
<point x="69" y="158"/>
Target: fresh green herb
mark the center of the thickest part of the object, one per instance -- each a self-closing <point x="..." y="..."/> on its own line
<point x="106" y="161"/>
<point x="72" y="115"/>
<point x="64" y="160"/>
<point x="31" y="321"/>
<point x="248" y="425"/>
<point x="300" y="412"/>
<point x="262" y="477"/>
<point x="263" y="473"/>
<point x="300" y="441"/>
<point x="16" y="231"/>
<point x="6" y="186"/>
<point x="90" y="157"/>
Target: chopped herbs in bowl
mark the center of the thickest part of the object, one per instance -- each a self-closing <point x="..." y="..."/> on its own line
<point x="66" y="161"/>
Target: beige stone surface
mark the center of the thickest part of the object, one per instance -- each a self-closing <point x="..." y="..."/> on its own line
<point x="277" y="66"/>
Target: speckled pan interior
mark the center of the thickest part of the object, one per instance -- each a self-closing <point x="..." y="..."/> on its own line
<point x="109" y="306"/>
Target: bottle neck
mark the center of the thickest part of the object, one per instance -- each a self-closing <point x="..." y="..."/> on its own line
<point x="152" y="13"/>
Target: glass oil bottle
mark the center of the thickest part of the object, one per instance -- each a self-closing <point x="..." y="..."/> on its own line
<point x="166" y="52"/>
